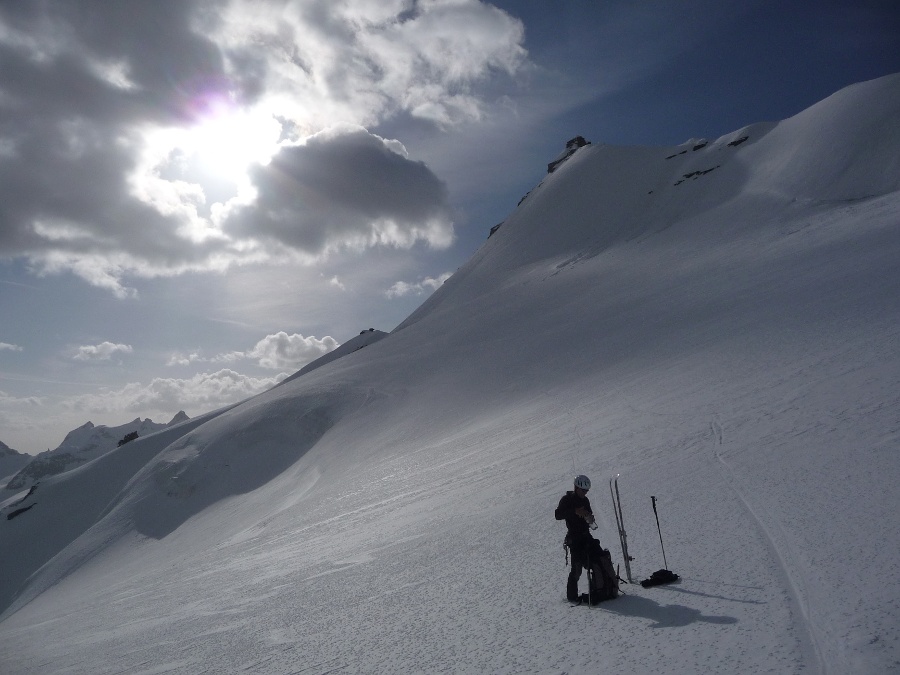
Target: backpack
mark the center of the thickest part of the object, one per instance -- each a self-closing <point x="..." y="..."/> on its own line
<point x="602" y="575"/>
<point x="660" y="577"/>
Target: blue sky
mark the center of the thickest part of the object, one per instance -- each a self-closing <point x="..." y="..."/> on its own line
<point x="198" y="197"/>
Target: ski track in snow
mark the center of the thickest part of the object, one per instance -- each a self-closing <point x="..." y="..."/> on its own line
<point x="782" y="553"/>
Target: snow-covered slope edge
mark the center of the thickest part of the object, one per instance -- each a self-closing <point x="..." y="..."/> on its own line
<point x="364" y="339"/>
<point x="725" y="338"/>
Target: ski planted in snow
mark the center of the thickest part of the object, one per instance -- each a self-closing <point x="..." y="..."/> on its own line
<point x="620" y="524"/>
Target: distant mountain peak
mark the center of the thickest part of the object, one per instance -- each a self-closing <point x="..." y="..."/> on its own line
<point x="82" y="445"/>
<point x="180" y="417"/>
<point x="572" y="146"/>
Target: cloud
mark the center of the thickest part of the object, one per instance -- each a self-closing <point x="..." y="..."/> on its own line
<point x="290" y="351"/>
<point x="204" y="391"/>
<point x="71" y="130"/>
<point x="7" y="346"/>
<point x="102" y="352"/>
<point x="179" y="359"/>
<point x="9" y="401"/>
<point x="364" y="61"/>
<point x="344" y="188"/>
<point x="276" y="352"/>
<point x="15" y="411"/>
<point x="401" y="288"/>
<point x="127" y="130"/>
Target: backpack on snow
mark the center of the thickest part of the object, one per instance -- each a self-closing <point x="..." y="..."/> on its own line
<point x="602" y="577"/>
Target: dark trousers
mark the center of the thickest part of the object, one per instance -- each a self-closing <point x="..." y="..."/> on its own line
<point x="581" y="551"/>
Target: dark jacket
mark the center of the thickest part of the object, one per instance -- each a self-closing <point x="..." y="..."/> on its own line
<point x="578" y="526"/>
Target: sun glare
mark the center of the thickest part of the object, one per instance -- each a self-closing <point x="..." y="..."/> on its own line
<point x="227" y="144"/>
<point x="215" y="153"/>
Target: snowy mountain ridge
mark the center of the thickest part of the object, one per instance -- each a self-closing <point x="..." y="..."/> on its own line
<point x="81" y="445"/>
<point x="364" y="339"/>
<point x="716" y="322"/>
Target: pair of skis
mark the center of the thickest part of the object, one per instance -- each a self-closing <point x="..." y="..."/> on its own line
<point x="620" y="524"/>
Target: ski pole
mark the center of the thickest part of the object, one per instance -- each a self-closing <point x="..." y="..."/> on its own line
<point x="660" y="533"/>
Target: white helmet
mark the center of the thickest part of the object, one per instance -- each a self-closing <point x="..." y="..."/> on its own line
<point x="583" y="482"/>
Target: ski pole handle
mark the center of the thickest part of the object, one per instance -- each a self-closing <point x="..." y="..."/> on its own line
<point x="654" y="506"/>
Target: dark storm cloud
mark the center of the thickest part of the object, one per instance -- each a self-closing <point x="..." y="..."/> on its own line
<point x="342" y="187"/>
<point x="57" y="50"/>
<point x="77" y="80"/>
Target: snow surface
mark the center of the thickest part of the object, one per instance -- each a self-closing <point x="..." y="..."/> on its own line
<point x="720" y="327"/>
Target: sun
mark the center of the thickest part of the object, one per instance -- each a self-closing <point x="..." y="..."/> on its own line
<point x="215" y="153"/>
<point x="226" y="144"/>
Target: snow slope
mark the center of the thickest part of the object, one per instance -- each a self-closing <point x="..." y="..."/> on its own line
<point x="719" y="324"/>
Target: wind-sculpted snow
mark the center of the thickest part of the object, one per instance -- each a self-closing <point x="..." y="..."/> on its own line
<point x="717" y="322"/>
<point x="834" y="151"/>
<point x="214" y="462"/>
